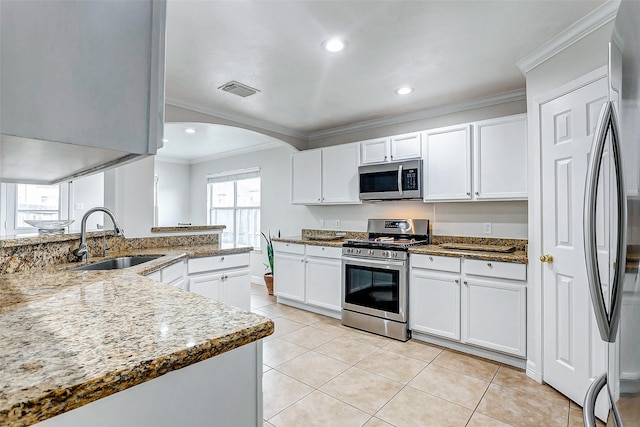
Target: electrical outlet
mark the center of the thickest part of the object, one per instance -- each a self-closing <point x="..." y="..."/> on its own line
<point x="487" y="228"/>
<point x="79" y="206"/>
<point x="337" y="223"/>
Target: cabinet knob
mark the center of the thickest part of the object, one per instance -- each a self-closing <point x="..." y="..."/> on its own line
<point x="477" y="193"/>
<point x="465" y="282"/>
<point x="489" y="265"/>
<point x="385" y="157"/>
<point x="221" y="259"/>
<point x="301" y="260"/>
<point x="548" y="258"/>
<point x="457" y="281"/>
<point x="430" y="258"/>
<point x="391" y="157"/>
<point x="468" y="193"/>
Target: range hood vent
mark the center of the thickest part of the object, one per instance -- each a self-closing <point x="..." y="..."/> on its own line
<point x="238" y="88"/>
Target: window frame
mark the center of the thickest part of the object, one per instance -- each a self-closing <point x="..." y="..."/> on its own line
<point x="10" y="210"/>
<point x="234" y="176"/>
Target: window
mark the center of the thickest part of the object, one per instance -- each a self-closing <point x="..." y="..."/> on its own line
<point x="33" y="202"/>
<point x="234" y="201"/>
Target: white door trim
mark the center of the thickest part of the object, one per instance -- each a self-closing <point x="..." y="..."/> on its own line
<point x="535" y="368"/>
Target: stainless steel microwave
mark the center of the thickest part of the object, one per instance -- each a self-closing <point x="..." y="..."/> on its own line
<point x="391" y="181"/>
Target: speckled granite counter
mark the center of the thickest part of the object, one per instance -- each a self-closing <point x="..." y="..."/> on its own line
<point x="186" y="228"/>
<point x="516" y="257"/>
<point x="309" y="237"/>
<point x="71" y="337"/>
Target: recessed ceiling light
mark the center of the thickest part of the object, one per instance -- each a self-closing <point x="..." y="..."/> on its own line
<point x="405" y="90"/>
<point x="190" y="130"/>
<point x="334" y="45"/>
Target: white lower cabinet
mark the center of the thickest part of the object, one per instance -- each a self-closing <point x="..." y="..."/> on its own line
<point x="473" y="302"/>
<point x="435" y="303"/>
<point x="309" y="275"/>
<point x="174" y="275"/>
<point x="321" y="277"/>
<point x="222" y="278"/>
<point x="495" y="314"/>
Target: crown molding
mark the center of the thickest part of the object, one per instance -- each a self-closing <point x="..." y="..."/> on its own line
<point x="578" y="30"/>
<point x="259" y="124"/>
<point x="502" y="98"/>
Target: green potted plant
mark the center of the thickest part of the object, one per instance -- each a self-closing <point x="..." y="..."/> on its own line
<point x="268" y="276"/>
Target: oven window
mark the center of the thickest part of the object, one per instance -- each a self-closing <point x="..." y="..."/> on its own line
<point x="375" y="288"/>
<point x="378" y="182"/>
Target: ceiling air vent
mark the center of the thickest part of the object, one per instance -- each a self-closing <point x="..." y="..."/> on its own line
<point x="238" y="88"/>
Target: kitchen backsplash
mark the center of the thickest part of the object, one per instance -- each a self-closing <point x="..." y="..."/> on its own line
<point x="28" y="253"/>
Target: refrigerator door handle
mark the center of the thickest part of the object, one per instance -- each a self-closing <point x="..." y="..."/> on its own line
<point x="607" y="323"/>
<point x="589" y="406"/>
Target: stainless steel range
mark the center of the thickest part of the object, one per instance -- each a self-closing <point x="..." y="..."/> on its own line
<point x="375" y="276"/>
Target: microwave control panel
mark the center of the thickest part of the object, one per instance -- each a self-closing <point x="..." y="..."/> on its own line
<point x="410" y="179"/>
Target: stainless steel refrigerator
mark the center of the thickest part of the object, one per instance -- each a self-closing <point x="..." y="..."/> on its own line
<point x="617" y="309"/>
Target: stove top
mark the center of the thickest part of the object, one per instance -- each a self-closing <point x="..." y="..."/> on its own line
<point x="395" y="234"/>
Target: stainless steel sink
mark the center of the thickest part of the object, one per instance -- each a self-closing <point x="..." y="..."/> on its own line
<point x="118" y="263"/>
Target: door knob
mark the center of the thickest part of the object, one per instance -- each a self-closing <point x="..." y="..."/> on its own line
<point x="547" y="258"/>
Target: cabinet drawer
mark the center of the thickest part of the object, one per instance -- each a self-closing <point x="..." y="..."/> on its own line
<point x="221" y="262"/>
<point x="173" y="272"/>
<point x="292" y="248"/>
<point x="324" y="251"/>
<point x="502" y="270"/>
<point x="434" y="262"/>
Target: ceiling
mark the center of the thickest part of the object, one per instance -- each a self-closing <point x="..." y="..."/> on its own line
<point x="449" y="51"/>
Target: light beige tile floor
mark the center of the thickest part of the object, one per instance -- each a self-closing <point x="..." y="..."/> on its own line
<point x="320" y="373"/>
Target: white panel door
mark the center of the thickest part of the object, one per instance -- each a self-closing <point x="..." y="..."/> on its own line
<point x="447" y="163"/>
<point x="288" y="276"/>
<point x="435" y="303"/>
<point x="340" y="179"/>
<point x="573" y="355"/>
<point x="374" y="151"/>
<point x="306" y="177"/>
<point x="324" y="283"/>
<point x="407" y="146"/>
<point x="500" y="158"/>
<point x="494" y="315"/>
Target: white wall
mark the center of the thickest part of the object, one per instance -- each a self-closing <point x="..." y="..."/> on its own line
<point x="128" y="192"/>
<point x="86" y="193"/>
<point x="174" y="204"/>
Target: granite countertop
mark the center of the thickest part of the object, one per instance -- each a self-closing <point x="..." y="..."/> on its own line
<point x="183" y="228"/>
<point x="519" y="257"/>
<point x="72" y="337"/>
<point x="306" y="241"/>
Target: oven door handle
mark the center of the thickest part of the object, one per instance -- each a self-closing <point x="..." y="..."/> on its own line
<point x="364" y="261"/>
<point x="400" y="179"/>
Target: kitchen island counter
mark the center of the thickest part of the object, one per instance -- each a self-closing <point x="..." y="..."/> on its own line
<point x="69" y="338"/>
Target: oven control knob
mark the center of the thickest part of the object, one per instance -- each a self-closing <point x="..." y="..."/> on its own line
<point x="358" y="251"/>
<point x="370" y="252"/>
<point x="395" y="255"/>
<point x="349" y="250"/>
<point x="384" y="253"/>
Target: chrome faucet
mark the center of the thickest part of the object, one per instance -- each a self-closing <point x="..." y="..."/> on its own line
<point x="82" y="252"/>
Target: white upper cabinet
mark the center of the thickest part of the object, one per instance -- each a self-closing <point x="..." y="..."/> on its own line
<point x="82" y="86"/>
<point x="447" y="163"/>
<point x="500" y="158"/>
<point x="340" y="180"/>
<point x="494" y="167"/>
<point x="390" y="149"/>
<point x="374" y="151"/>
<point x="407" y="146"/>
<point x="306" y="177"/>
<point x="325" y="176"/>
